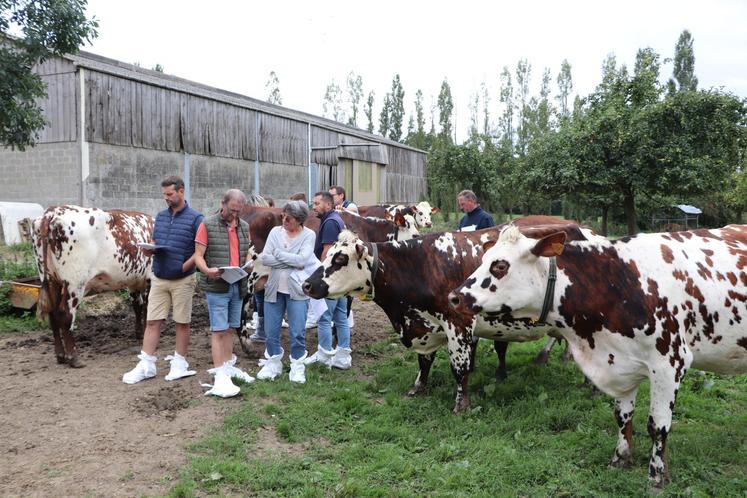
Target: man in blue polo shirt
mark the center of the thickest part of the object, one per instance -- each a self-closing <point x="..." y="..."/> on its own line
<point x="474" y="217"/>
<point x="173" y="283"/>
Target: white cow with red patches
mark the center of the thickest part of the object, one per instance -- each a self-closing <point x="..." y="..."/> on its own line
<point x="85" y="250"/>
<point x="649" y="306"/>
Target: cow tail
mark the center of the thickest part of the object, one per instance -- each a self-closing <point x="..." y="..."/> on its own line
<point x="44" y="305"/>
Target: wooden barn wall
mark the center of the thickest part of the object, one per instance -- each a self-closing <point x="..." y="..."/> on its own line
<point x="321" y="137"/>
<point x="60" y="108"/>
<point x="405" y="176"/>
<point x="283" y="141"/>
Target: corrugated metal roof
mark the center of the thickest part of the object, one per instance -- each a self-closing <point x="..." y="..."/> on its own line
<point x="687" y="209"/>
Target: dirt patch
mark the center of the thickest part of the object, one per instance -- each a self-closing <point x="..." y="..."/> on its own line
<point x="82" y="432"/>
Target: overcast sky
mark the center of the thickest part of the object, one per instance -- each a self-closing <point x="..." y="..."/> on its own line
<point x="233" y="45"/>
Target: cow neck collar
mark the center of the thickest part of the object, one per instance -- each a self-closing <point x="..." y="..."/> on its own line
<point x="374" y="269"/>
<point x="552" y="276"/>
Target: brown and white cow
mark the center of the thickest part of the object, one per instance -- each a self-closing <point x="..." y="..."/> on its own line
<point x="82" y="250"/>
<point x="640" y="307"/>
<point x="411" y="282"/>
<point x="421" y="212"/>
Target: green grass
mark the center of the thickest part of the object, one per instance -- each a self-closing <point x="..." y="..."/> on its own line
<point x="540" y="433"/>
<point x="16" y="261"/>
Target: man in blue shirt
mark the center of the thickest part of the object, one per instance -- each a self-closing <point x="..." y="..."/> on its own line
<point x="474" y="217"/>
<point x="173" y="282"/>
<point x="337" y="309"/>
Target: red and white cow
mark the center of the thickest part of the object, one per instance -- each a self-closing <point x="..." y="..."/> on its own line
<point x="84" y="250"/>
<point x="411" y="282"/>
<point x="640" y="307"/>
<point x="420" y="212"/>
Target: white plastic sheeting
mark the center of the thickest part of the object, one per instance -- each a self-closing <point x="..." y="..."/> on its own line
<point x="11" y="213"/>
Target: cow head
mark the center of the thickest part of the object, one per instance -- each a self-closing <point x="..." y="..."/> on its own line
<point x="406" y="225"/>
<point x="512" y="278"/>
<point x="345" y="270"/>
<point x="423" y="212"/>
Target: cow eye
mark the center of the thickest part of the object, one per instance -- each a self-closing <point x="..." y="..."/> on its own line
<point x="340" y="259"/>
<point x="499" y="268"/>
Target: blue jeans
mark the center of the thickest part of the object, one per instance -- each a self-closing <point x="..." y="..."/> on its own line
<point x="337" y="313"/>
<point x="224" y="308"/>
<point x="259" y="303"/>
<point x="296" y="324"/>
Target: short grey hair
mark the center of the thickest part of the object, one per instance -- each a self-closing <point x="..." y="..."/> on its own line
<point x="467" y="194"/>
<point x="299" y="210"/>
<point x="236" y="194"/>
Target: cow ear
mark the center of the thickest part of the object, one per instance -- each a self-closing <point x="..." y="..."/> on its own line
<point x="388" y="215"/>
<point x="399" y="220"/>
<point x="487" y="245"/>
<point x="434" y="210"/>
<point x="552" y="245"/>
<point x="359" y="250"/>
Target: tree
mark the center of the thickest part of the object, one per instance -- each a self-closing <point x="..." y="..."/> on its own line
<point x="368" y="110"/>
<point x="272" y="87"/>
<point x="355" y="94"/>
<point x="49" y="28"/>
<point x="384" y="115"/>
<point x="683" y="73"/>
<point x="332" y="105"/>
<point x="485" y="109"/>
<point x="523" y="75"/>
<point x="565" y="87"/>
<point x="158" y="68"/>
<point x="445" y="110"/>
<point x="506" y="121"/>
<point x="416" y="136"/>
<point x="396" y="109"/>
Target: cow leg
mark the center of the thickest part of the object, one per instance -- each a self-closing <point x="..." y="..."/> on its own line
<point x="567" y="353"/>
<point x="664" y="389"/>
<point x="500" y="348"/>
<point x="139" y="306"/>
<point x="67" y="320"/>
<point x="461" y="349"/>
<point x="243" y="332"/>
<point x="624" y="410"/>
<point x="473" y="353"/>
<point x="59" y="350"/>
<point x="544" y="353"/>
<point x="425" y="361"/>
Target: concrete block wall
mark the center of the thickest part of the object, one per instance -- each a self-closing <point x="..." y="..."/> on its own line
<point x="48" y="174"/>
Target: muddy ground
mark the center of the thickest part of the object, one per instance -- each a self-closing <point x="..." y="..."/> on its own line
<point x="82" y="432"/>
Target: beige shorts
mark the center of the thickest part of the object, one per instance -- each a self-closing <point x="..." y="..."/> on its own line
<point x="165" y="293"/>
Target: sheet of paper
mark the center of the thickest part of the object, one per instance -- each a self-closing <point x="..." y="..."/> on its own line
<point x="149" y="246"/>
<point x="232" y="274"/>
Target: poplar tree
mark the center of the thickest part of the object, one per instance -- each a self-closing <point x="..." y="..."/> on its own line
<point x="332" y="105"/>
<point x="683" y="73"/>
<point x="355" y="94"/>
<point x="272" y="87"/>
<point x="445" y="111"/>
<point x="565" y="87"/>
<point x="506" y="120"/>
<point x="396" y="109"/>
<point x="368" y="111"/>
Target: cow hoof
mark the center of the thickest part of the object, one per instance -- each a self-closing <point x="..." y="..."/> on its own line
<point x="500" y="375"/>
<point x="460" y="408"/>
<point x="246" y="344"/>
<point x="621" y="462"/>
<point x="61" y="359"/>
<point x="416" y="390"/>
<point x="75" y="362"/>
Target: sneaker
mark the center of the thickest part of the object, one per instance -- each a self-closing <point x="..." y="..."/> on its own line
<point x="342" y="359"/>
<point x="223" y="387"/>
<point x="272" y="366"/>
<point x="179" y="367"/>
<point x="145" y="369"/>
<point x="298" y="370"/>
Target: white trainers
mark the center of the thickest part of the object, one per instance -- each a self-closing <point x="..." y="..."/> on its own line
<point x="272" y="366"/>
<point x="145" y="369"/>
<point x="298" y="370"/>
<point x="321" y="356"/>
<point x="342" y="359"/>
<point x="179" y="367"/>
<point x="223" y="387"/>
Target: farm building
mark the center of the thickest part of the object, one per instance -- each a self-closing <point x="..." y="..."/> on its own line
<point x="115" y="130"/>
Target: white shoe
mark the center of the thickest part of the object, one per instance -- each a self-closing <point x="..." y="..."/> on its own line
<point x="272" y="366"/>
<point x="239" y="374"/>
<point x="321" y="356"/>
<point x="342" y="359"/>
<point x="179" y="367"/>
<point x="285" y="324"/>
<point x="298" y="370"/>
<point x="145" y="369"/>
<point x="223" y="386"/>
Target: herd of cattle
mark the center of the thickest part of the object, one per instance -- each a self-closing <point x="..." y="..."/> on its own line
<point x="649" y="306"/>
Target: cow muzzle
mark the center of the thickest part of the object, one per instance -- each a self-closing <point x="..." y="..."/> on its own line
<point x="463" y="302"/>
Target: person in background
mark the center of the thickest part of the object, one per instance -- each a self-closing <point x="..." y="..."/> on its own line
<point x="299" y="196"/>
<point x="221" y="240"/>
<point x="289" y="253"/>
<point x="173" y="283"/>
<point x="269" y="199"/>
<point x="340" y="199"/>
<point x="474" y="217"/>
<point x="337" y="309"/>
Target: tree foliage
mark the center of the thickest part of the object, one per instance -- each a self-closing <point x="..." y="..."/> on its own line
<point x="332" y="105"/>
<point x="49" y="28"/>
<point x="272" y="87"/>
<point x="683" y="73"/>
<point x="355" y="94"/>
